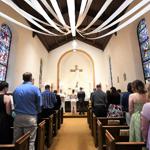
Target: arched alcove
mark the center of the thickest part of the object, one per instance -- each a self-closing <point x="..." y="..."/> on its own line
<point x="75" y="69"/>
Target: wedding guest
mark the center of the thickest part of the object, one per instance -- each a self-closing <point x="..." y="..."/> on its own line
<point x="145" y="124"/>
<point x="99" y="102"/>
<point x="49" y="101"/>
<point x="5" y="114"/>
<point x="27" y="99"/>
<point x="58" y="104"/>
<point x="114" y="108"/>
<point x="136" y="102"/>
<point x="124" y="102"/>
<point x="145" y="119"/>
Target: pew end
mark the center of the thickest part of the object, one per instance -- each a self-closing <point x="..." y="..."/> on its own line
<point x="7" y="146"/>
<point x="40" y="139"/>
<point x="21" y="144"/>
<point x="48" y="130"/>
<point x="111" y="144"/>
<point x="114" y="130"/>
<point x="115" y="121"/>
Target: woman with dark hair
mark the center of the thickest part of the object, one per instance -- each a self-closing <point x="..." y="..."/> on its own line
<point x="114" y="109"/>
<point x="136" y="102"/>
<point x="5" y="111"/>
<point x="58" y="104"/>
<point x="114" y="96"/>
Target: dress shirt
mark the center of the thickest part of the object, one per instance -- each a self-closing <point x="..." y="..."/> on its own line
<point x="49" y="99"/>
<point x="99" y="98"/>
<point x="125" y="101"/>
<point x="27" y="99"/>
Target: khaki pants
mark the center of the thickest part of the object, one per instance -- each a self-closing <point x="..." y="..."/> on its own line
<point x="24" y="123"/>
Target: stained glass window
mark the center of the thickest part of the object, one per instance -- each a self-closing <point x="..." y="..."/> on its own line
<point x="5" y="42"/>
<point x="144" y="47"/>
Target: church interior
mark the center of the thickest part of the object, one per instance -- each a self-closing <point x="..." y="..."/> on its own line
<point x="69" y="44"/>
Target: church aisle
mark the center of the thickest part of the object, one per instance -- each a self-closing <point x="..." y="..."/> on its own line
<point x="73" y="135"/>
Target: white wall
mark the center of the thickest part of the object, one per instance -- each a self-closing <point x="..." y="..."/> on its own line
<point x="82" y="76"/>
<point x="25" y="52"/>
<point x="96" y="54"/>
<point x="125" y="54"/>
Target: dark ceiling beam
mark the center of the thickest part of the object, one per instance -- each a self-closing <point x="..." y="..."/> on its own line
<point x="92" y="27"/>
<point x="90" y="42"/>
<point x="61" y="42"/>
<point x="91" y="12"/>
<point x="23" y="5"/>
<point x="51" y="43"/>
<point x="43" y="41"/>
<point x="67" y="39"/>
<point x="106" y="42"/>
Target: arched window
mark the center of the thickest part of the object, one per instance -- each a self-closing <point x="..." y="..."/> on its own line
<point x="5" y="42"/>
<point x="144" y="44"/>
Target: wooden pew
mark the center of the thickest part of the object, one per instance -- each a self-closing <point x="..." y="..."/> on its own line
<point x="48" y="130"/>
<point x="108" y="120"/>
<point x="40" y="139"/>
<point x="91" y="120"/>
<point x="88" y="115"/>
<point x="55" y="122"/>
<point x="112" y="144"/>
<point x="59" y="118"/>
<point x="61" y="115"/>
<point x="21" y="144"/>
<point x="115" y="130"/>
<point x="105" y="121"/>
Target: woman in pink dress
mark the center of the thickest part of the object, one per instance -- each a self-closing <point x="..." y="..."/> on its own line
<point x="145" y="124"/>
<point x="145" y="120"/>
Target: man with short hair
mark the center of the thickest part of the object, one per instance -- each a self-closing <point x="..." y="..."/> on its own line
<point x="125" y="102"/>
<point x="99" y="102"/>
<point x="58" y="104"/>
<point x="49" y="101"/>
<point x="27" y="99"/>
<point x="81" y="97"/>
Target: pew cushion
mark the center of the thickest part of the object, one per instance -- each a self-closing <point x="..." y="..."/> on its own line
<point x="113" y="122"/>
<point x="124" y="132"/>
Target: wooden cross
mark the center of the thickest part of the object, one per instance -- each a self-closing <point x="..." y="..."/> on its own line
<point x="76" y="69"/>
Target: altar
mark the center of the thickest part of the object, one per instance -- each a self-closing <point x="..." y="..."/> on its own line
<point x="68" y="105"/>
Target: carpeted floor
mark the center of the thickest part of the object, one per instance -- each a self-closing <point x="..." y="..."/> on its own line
<point x="74" y="135"/>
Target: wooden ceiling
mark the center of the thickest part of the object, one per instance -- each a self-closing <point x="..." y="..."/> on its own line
<point x="52" y="42"/>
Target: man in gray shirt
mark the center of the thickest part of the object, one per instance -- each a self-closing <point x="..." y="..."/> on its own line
<point x="99" y="102"/>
